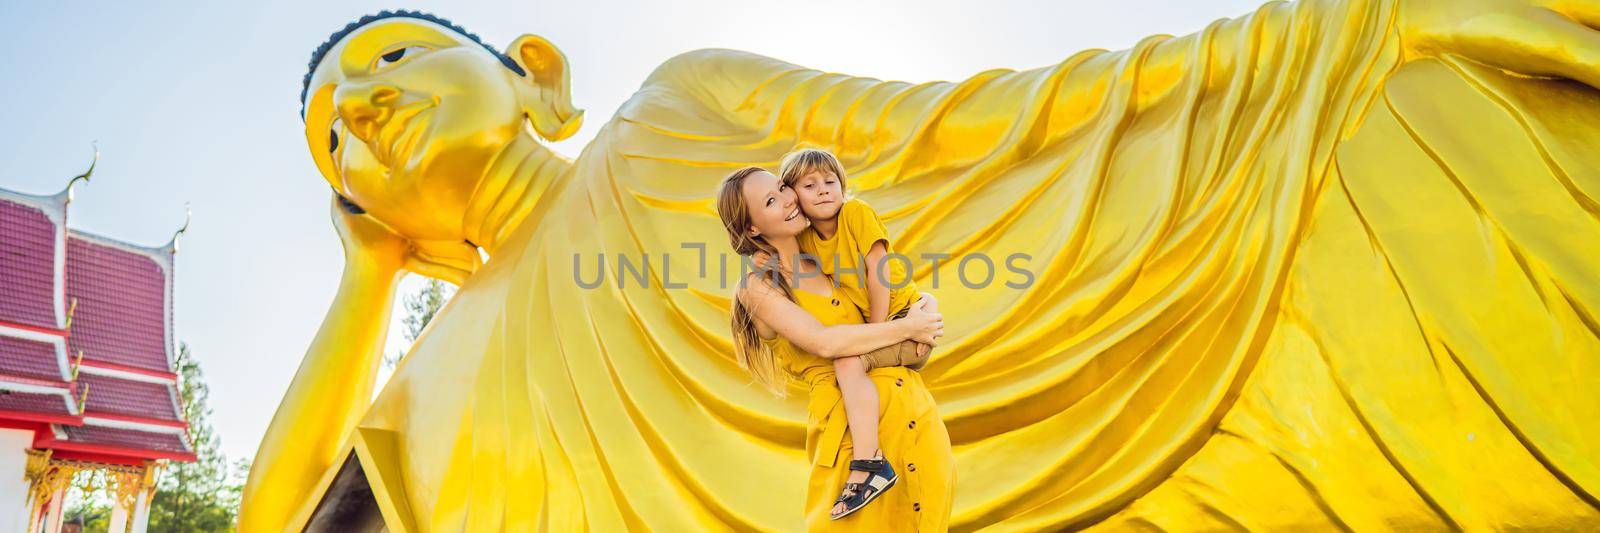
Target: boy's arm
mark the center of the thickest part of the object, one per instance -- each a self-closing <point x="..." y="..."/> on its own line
<point x="877" y="289"/>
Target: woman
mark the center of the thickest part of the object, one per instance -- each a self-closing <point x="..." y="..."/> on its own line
<point x="790" y="322"/>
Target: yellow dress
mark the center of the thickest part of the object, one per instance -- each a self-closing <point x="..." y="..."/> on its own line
<point x="910" y="432"/>
<point x="843" y="256"/>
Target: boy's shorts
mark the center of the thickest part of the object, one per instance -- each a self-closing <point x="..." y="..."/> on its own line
<point x="902" y="313"/>
<point x="903" y="353"/>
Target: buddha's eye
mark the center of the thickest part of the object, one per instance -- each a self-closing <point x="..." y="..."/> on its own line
<point x="333" y="136"/>
<point x="397" y="55"/>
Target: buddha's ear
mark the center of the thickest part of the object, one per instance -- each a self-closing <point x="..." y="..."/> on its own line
<point x="549" y="102"/>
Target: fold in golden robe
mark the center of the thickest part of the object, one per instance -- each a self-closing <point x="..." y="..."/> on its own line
<point x="1279" y="277"/>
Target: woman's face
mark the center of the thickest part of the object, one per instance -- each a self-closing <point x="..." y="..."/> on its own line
<point x="774" y="211"/>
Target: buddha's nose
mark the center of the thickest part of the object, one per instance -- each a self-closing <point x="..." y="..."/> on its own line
<point x="365" y="107"/>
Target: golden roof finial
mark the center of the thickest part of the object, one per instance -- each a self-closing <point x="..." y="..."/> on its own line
<point x="71" y="310"/>
<point x="86" y="174"/>
<point x="83" y="399"/>
<point x="188" y="215"/>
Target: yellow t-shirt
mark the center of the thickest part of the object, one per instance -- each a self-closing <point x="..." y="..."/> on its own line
<point x="844" y="257"/>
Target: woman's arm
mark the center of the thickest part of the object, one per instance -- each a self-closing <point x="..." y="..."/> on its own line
<point x="792" y="322"/>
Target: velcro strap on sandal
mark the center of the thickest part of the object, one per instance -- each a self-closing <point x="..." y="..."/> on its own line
<point x="867" y="465"/>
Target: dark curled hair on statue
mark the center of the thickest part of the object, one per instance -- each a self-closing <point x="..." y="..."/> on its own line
<point x="322" y="50"/>
<point x="349" y="206"/>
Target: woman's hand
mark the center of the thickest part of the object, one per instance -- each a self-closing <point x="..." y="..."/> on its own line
<point x="922" y="326"/>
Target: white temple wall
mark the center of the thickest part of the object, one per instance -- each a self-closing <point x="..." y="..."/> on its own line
<point x="13" y="486"/>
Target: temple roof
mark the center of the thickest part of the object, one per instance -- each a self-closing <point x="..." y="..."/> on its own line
<point x="86" y="343"/>
<point x="28" y="236"/>
<point x="30" y="361"/>
<point x="121" y="295"/>
<point x="52" y="406"/>
<point x="108" y="440"/>
<point x="131" y="398"/>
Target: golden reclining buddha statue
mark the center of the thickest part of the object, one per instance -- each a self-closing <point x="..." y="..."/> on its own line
<point x="1330" y="264"/>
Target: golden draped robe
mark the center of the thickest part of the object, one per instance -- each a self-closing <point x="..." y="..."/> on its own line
<point x="1281" y="278"/>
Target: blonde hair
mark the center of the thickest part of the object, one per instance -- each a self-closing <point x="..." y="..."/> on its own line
<point x="753" y="355"/>
<point x="801" y="162"/>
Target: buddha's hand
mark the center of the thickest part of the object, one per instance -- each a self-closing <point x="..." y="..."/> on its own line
<point x="372" y="246"/>
<point x="1534" y="37"/>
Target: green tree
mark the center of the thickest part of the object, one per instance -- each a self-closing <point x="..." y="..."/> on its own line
<point x="421" y="306"/>
<point x="202" y="496"/>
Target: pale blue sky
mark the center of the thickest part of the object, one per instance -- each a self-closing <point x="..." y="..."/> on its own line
<point x="198" y="103"/>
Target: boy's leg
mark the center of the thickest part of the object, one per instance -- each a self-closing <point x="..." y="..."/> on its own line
<point x="861" y="410"/>
<point x="891" y="355"/>
<point x="910" y="354"/>
<point x="860" y="404"/>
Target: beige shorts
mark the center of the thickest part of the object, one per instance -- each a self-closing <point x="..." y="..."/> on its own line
<point x="903" y="353"/>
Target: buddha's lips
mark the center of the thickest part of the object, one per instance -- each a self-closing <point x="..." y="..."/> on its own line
<point x="401" y="133"/>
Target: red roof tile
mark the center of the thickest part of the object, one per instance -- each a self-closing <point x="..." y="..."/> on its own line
<point x="29" y="402"/>
<point x="29" y="359"/>
<point x="121" y="314"/>
<point x="125" y="438"/>
<point x="27" y="257"/>
<point x="127" y="397"/>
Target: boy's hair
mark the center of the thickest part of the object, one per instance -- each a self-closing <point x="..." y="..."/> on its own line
<point x="801" y="162"/>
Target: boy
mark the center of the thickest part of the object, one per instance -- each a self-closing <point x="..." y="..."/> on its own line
<point x="852" y="245"/>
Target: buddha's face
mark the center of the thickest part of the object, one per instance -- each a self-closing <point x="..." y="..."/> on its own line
<point x="404" y="116"/>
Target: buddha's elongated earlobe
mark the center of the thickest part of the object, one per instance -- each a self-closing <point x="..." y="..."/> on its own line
<point x="547" y="99"/>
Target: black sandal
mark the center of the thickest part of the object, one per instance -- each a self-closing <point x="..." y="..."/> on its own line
<point x="880" y="477"/>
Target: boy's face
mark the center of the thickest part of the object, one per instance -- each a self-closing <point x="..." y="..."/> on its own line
<point x="820" y="194"/>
